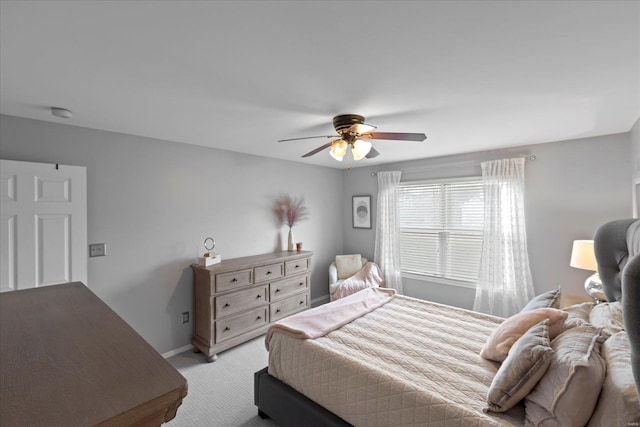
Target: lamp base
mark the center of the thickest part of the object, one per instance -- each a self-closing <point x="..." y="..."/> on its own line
<point x="593" y="286"/>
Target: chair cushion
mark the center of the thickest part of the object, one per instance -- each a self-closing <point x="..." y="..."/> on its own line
<point x="348" y="265"/>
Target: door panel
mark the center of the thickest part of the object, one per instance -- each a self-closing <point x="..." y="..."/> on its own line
<point x="44" y="224"/>
<point x="53" y="241"/>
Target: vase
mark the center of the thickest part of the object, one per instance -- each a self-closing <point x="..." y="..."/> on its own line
<point x="292" y="245"/>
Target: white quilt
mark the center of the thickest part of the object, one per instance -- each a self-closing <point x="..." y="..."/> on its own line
<point x="409" y="362"/>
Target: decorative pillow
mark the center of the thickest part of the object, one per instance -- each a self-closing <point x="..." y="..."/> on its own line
<point x="618" y="404"/>
<point x="578" y="315"/>
<point x="567" y="394"/>
<point x="608" y="316"/>
<point x="348" y="265"/>
<point x="550" y="299"/>
<point x="526" y="363"/>
<point x="505" y="335"/>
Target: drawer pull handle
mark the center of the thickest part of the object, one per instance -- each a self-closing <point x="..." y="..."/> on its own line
<point x="301" y="302"/>
<point x="277" y="290"/>
<point x="301" y="284"/>
<point x="278" y="311"/>
<point x="297" y="266"/>
<point x="226" y="305"/>
<point x="268" y="273"/>
<point x="259" y="296"/>
<point x="258" y="318"/>
<point x="234" y="280"/>
<point x="226" y="329"/>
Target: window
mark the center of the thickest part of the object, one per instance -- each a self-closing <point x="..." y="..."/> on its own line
<point x="441" y="225"/>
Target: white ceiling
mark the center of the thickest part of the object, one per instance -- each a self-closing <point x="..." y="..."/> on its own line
<point x="471" y="75"/>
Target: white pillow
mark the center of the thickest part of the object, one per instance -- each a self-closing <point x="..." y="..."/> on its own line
<point x="607" y="315"/>
<point x="618" y="404"/>
<point x="578" y="315"/>
<point x="567" y="394"/>
<point x="348" y="265"/>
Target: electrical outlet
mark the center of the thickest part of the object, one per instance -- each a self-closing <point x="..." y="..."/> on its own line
<point x="185" y="317"/>
<point x="97" y="249"/>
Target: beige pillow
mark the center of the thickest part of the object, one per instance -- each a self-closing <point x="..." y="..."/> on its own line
<point x="505" y="335"/>
<point x="550" y="299"/>
<point x="578" y="315"/>
<point x="618" y="404"/>
<point x="567" y="394"/>
<point x="348" y="265"/>
<point x="608" y="316"/>
<point x="527" y="362"/>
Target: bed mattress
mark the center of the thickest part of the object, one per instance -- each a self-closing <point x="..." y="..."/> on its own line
<point x="409" y="362"/>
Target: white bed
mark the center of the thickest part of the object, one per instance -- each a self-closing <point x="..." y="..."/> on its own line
<point x="410" y="362"/>
<point x="378" y="371"/>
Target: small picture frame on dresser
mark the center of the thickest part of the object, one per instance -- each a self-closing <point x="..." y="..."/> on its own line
<point x="361" y="211"/>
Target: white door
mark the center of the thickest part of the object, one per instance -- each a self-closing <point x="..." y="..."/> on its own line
<point x="43" y="210"/>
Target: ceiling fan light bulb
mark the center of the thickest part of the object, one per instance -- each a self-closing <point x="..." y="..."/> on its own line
<point x="335" y="156"/>
<point x="362" y="147"/>
<point x="339" y="148"/>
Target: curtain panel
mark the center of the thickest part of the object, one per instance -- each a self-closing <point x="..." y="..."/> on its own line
<point x="387" y="250"/>
<point x="505" y="284"/>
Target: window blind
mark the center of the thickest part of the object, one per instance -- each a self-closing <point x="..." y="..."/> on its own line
<point x="441" y="226"/>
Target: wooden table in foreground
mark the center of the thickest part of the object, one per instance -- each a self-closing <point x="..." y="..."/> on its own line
<point x="67" y="359"/>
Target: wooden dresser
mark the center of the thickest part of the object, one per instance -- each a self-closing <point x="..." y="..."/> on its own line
<point x="67" y="359"/>
<point x="237" y="299"/>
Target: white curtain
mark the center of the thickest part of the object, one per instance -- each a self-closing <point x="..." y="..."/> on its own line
<point x="387" y="251"/>
<point x="504" y="282"/>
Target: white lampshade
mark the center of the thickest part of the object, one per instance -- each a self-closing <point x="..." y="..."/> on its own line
<point x="360" y="149"/>
<point x="583" y="256"/>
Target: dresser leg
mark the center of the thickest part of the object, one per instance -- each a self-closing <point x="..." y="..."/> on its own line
<point x="210" y="359"/>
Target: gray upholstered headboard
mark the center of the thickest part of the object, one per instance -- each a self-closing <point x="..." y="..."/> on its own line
<point x="617" y="249"/>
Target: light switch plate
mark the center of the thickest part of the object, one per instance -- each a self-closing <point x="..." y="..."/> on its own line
<point x="97" y="249"/>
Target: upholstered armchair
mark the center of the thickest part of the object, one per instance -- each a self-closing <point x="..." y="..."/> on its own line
<point x="342" y="268"/>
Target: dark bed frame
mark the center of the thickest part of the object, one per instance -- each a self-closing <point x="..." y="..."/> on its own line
<point x="617" y="249"/>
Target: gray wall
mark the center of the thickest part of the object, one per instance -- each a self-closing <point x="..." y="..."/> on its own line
<point x="154" y="202"/>
<point x="571" y="188"/>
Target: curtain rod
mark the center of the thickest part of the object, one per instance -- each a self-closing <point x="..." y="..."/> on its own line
<point x="530" y="157"/>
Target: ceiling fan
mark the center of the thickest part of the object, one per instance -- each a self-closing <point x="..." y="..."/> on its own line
<point x="355" y="133"/>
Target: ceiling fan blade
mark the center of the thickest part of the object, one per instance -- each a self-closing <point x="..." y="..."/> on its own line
<point x="308" y="137"/>
<point x="396" y="136"/>
<point x="372" y="153"/>
<point x="319" y="149"/>
<point x="360" y="128"/>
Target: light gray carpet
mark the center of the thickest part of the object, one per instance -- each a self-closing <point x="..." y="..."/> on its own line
<point x="221" y="393"/>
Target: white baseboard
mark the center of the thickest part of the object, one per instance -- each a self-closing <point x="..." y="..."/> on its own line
<point x="170" y="353"/>
<point x="314" y="303"/>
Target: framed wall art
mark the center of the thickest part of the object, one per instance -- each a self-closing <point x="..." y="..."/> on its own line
<point x="361" y="211"/>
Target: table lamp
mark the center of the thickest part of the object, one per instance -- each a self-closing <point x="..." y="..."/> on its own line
<point x="583" y="257"/>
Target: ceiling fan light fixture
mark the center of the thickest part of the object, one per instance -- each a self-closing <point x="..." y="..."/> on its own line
<point x="338" y="149"/>
<point x="360" y="149"/>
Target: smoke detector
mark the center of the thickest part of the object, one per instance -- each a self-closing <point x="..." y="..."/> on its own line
<point x="61" y="112"/>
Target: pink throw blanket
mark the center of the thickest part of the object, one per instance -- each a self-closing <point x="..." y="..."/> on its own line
<point x="369" y="276"/>
<point x="321" y="320"/>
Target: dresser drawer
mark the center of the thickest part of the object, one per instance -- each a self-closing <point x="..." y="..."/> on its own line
<point x="288" y="287"/>
<point x="269" y="272"/>
<point x="289" y="306"/>
<point x="236" y="279"/>
<point x="295" y="266"/>
<point x="233" y="326"/>
<point x="241" y="300"/>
